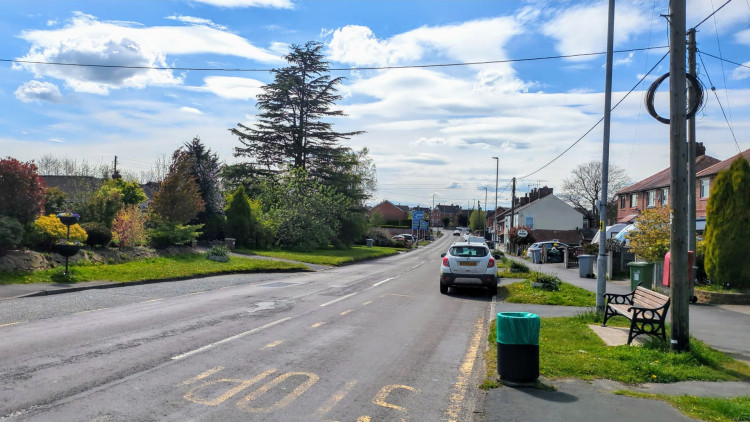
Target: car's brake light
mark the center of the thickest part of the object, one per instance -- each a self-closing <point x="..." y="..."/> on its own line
<point x="445" y="261"/>
<point x="491" y="263"/>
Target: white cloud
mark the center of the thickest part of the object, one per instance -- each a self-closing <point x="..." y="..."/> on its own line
<point x="190" y="110"/>
<point x="475" y="40"/>
<point x="56" y="140"/>
<point x="88" y="41"/>
<point x="38" y="91"/>
<point x="231" y="87"/>
<point x="192" y="20"/>
<point x="276" y="4"/>
<point x="583" y="29"/>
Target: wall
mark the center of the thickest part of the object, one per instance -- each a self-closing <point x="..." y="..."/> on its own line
<point x="551" y="213"/>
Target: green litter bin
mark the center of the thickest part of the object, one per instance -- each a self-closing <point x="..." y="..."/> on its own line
<point x="641" y="272"/>
<point x="518" y="346"/>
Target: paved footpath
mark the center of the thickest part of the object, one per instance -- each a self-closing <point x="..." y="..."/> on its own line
<point x="724" y="327"/>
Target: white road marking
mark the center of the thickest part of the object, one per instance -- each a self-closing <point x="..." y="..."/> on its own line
<point x="228" y="339"/>
<point x="338" y="300"/>
<point x="381" y="282"/>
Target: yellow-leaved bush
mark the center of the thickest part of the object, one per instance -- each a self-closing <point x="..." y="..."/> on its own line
<point x="52" y="229"/>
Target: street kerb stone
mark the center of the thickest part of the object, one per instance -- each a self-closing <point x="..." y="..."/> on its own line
<point x="615" y="336"/>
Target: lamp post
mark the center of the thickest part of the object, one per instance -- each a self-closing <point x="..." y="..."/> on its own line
<point x="494" y="214"/>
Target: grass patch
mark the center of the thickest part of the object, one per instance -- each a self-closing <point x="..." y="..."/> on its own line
<point x="717" y="288"/>
<point x="566" y="295"/>
<point x="510" y="268"/>
<point x="329" y="256"/>
<point x="569" y="349"/>
<point x="703" y="408"/>
<point x="168" y="267"/>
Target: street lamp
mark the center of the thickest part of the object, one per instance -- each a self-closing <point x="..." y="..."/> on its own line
<point x="494" y="215"/>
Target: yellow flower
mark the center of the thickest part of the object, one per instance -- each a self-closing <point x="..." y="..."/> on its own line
<point x="653" y="376"/>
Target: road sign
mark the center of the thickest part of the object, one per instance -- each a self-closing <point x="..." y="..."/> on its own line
<point x="422" y="225"/>
<point x="523" y="233"/>
<point x="416" y="217"/>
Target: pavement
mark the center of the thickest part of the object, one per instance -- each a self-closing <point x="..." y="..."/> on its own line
<point x="723" y="327"/>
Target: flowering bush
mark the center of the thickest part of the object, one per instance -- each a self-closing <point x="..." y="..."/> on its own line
<point x="218" y="250"/>
<point x="128" y="228"/>
<point x="47" y="230"/>
<point x="21" y="190"/>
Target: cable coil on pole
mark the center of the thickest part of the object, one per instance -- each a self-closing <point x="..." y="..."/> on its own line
<point x="693" y="108"/>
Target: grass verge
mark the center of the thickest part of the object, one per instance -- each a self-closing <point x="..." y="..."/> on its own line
<point x="567" y="295"/>
<point x="329" y="256"/>
<point x="569" y="349"/>
<point x="169" y="267"/>
<point x="704" y="408"/>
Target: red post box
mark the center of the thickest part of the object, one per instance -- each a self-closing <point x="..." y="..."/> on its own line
<point x="665" y="275"/>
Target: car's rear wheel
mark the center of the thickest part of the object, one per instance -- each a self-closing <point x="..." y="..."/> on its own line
<point x="443" y="289"/>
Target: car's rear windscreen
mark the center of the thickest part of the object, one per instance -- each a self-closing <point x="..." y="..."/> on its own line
<point x="469" y="251"/>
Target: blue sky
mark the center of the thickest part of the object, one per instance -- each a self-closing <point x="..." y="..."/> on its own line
<point x="431" y="131"/>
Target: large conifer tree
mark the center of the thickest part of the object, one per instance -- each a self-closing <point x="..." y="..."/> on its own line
<point x="291" y="129"/>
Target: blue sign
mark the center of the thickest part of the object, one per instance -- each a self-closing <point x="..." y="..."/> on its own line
<point x="416" y="217"/>
<point x="423" y="225"/>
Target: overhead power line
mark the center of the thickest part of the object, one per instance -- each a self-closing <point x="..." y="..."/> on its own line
<point x="209" y="69"/>
<point x="597" y="123"/>
<point x="714" y="12"/>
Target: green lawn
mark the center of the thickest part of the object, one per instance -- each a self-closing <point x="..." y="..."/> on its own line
<point x="568" y="295"/>
<point x="170" y="267"/>
<point x="704" y="408"/>
<point x="329" y="256"/>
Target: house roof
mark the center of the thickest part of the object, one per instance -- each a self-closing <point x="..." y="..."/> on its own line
<point x="663" y="179"/>
<point x="723" y="165"/>
<point x="449" y="209"/>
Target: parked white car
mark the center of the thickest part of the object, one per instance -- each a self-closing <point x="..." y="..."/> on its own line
<point x="469" y="264"/>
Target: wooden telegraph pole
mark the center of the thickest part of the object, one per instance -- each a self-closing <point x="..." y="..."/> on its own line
<point x="678" y="270"/>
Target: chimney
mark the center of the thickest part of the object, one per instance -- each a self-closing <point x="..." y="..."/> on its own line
<point x="699" y="149"/>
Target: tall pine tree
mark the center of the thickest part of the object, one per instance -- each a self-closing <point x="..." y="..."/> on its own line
<point x="291" y="128"/>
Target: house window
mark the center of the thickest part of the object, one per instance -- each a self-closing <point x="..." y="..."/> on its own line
<point x="530" y="222"/>
<point x="623" y="201"/>
<point x="704" y="188"/>
<point x="651" y="198"/>
<point x="665" y="196"/>
<point x="633" y="200"/>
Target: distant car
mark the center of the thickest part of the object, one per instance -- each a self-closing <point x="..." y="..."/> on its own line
<point x="552" y="246"/>
<point x="457" y="232"/>
<point x="475" y="239"/>
<point x="469" y="264"/>
<point x="408" y="237"/>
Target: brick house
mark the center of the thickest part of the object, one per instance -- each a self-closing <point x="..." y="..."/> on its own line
<point x="390" y="211"/>
<point x="653" y="191"/>
<point x="440" y="211"/>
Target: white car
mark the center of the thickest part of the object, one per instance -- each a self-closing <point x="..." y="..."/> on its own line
<point x="469" y="264"/>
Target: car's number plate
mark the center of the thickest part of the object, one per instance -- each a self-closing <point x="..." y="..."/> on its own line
<point x="467" y="264"/>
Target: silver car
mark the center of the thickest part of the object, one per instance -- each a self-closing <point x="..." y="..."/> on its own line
<point x="469" y="264"/>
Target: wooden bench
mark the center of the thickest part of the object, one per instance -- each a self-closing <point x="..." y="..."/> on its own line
<point x="646" y="310"/>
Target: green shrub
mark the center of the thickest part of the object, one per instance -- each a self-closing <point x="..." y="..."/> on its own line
<point x="591" y="249"/>
<point x="549" y="282"/>
<point x="11" y="233"/>
<point x="238" y="214"/>
<point x="218" y="250"/>
<point x="99" y="234"/>
<point x="518" y="267"/>
<point x="379" y="236"/>
<point x="168" y="234"/>
<point x="728" y="227"/>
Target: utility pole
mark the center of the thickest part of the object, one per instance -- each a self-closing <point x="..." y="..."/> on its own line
<point x="678" y="271"/>
<point x="484" y="220"/>
<point x="691" y="152"/>
<point x="512" y="207"/>
<point x="601" y="263"/>
<point x="494" y="214"/>
<point x="115" y="173"/>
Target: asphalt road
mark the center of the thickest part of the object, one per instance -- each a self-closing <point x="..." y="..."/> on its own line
<point x="368" y="342"/>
